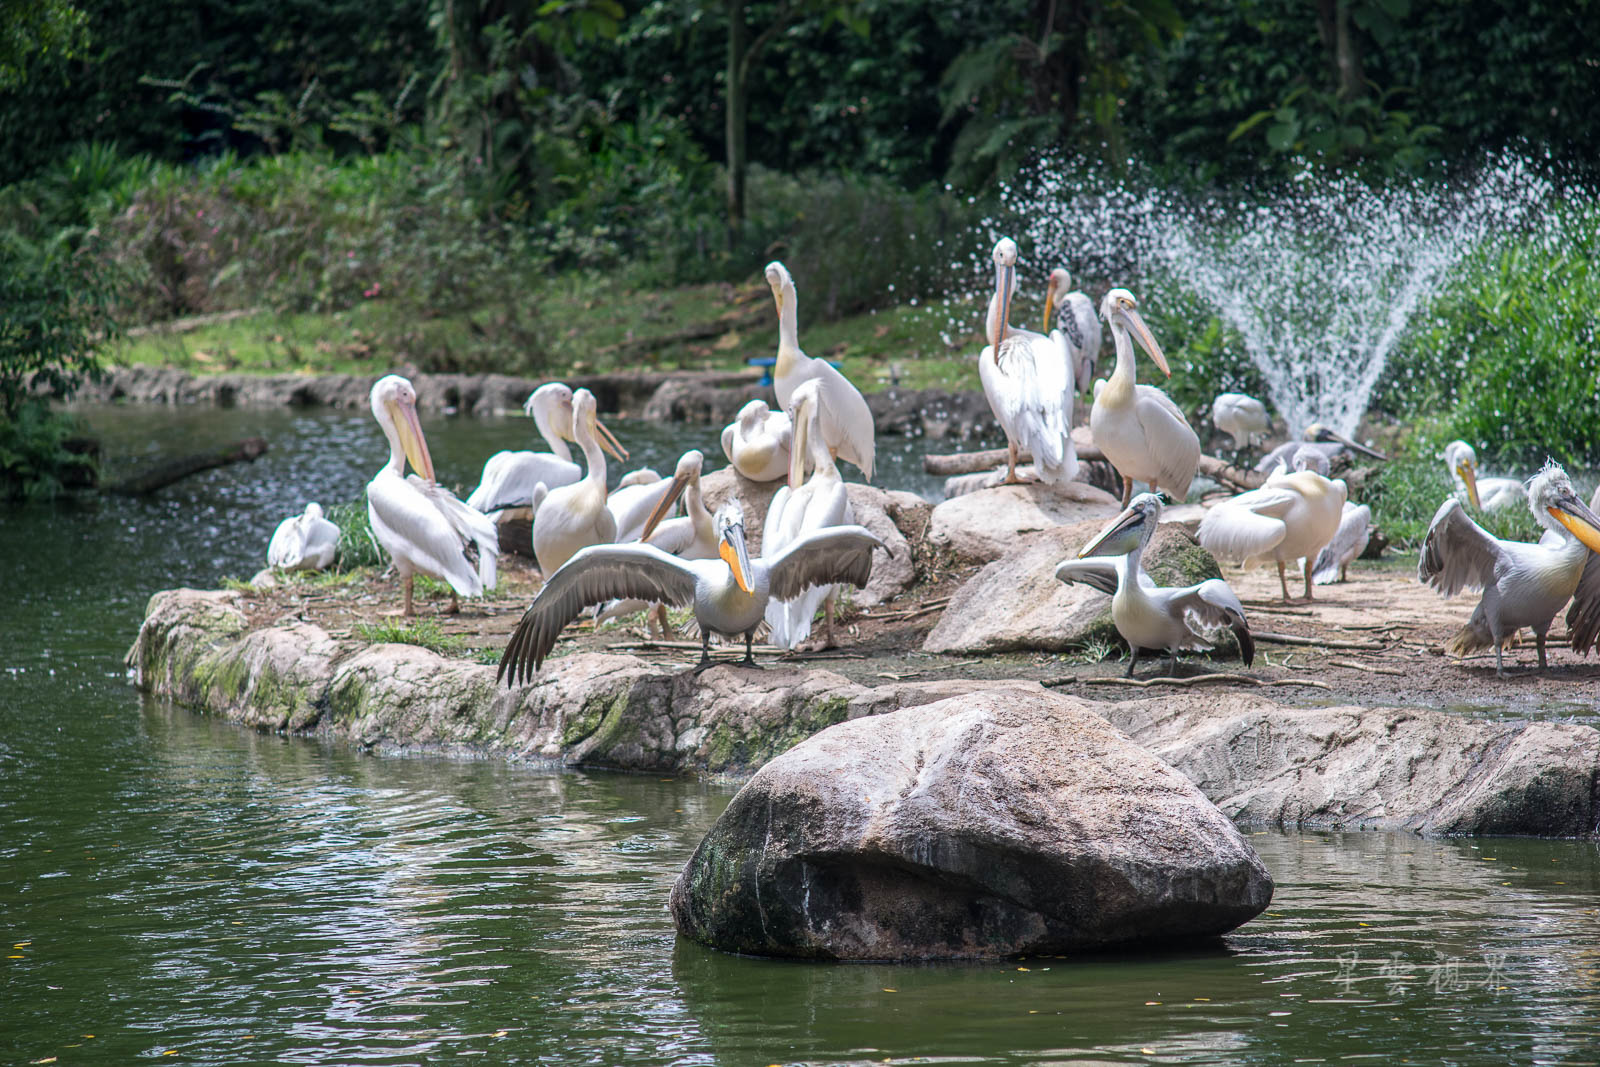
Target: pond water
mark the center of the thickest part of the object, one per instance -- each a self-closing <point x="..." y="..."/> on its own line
<point x="184" y="890"/>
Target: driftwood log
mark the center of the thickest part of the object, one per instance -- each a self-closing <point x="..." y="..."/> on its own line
<point x="163" y="475"/>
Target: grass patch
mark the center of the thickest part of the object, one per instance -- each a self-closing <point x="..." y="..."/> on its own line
<point x="358" y="548"/>
<point x="424" y="632"/>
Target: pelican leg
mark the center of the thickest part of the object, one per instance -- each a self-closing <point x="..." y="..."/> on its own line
<point x="749" y="656"/>
<point x="1308" y="577"/>
<point x="1283" y="582"/>
<point x="658" y="619"/>
<point x="1499" y="665"/>
<point x="827" y="622"/>
<point x="1127" y="490"/>
<point x="1011" y="463"/>
<point x="1172" y="670"/>
<point x="410" y="610"/>
<point x="455" y="604"/>
<point x="705" y="651"/>
<point x="1133" y="658"/>
<point x="1538" y="641"/>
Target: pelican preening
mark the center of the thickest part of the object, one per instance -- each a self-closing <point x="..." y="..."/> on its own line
<point x="304" y="542"/>
<point x="1328" y="441"/>
<point x="1076" y="323"/>
<point x="422" y="526"/>
<point x="509" y="477"/>
<point x="757" y="442"/>
<point x="1292" y="516"/>
<point x="847" y="426"/>
<point x="729" y="594"/>
<point x="1027" y="379"/>
<point x="1486" y="494"/>
<point x="1138" y="427"/>
<point x="1523" y="584"/>
<point x="1148" y="615"/>
<point x="575" y="516"/>
<point x="1241" y="417"/>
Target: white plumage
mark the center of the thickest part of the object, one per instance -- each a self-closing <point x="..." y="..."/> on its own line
<point x="847" y="427"/>
<point x="1355" y="530"/>
<point x="422" y="525"/>
<point x="757" y="442"/>
<point x="305" y="542"/>
<point x="1291" y="517"/>
<point x="509" y="477"/>
<point x="1486" y="494"/>
<point x="1241" y="417"/>
<point x="575" y="516"/>
<point x="1077" y="327"/>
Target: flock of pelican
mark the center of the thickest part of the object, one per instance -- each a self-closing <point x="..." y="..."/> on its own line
<point x="619" y="550"/>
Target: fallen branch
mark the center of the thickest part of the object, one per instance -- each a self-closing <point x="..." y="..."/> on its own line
<point x="248" y="450"/>
<point x="1317" y="642"/>
<point x="1145" y="683"/>
<point x="1239" y="477"/>
<point x="1368" y="667"/>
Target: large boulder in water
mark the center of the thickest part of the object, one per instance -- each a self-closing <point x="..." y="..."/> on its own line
<point x="1015" y="603"/>
<point x="1005" y="822"/>
<point x="986" y="524"/>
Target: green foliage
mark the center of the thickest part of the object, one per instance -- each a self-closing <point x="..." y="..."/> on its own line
<point x="357" y="545"/>
<point x="48" y="29"/>
<point x="1311" y="123"/>
<point x="424" y="632"/>
<point x="38" y="459"/>
<point x="54" y="311"/>
<point x="1405" y="493"/>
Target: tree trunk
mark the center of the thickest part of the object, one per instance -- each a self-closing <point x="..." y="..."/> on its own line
<point x="738" y="43"/>
<point x="1343" y="49"/>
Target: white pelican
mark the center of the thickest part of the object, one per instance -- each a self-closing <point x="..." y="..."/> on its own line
<point x="509" y="477"/>
<point x="575" y="516"/>
<point x="1241" y="417"/>
<point x="1027" y="379"/>
<point x="847" y="426"/>
<point x="1148" y="615"/>
<point x="1330" y="442"/>
<point x="305" y="542"/>
<point x="1355" y="530"/>
<point x="632" y="501"/>
<point x="419" y="523"/>
<point x="691" y="536"/>
<point x="1138" y="427"/>
<point x="1523" y="584"/>
<point x="1077" y="324"/>
<point x="757" y="442"/>
<point x="729" y="594"/>
<point x="1486" y="494"/>
<point x="1292" y="516"/>
<point x="800" y="509"/>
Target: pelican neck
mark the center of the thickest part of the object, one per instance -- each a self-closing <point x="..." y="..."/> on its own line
<point x="558" y="445"/>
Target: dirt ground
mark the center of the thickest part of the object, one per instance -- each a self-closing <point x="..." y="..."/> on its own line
<point x="1375" y="640"/>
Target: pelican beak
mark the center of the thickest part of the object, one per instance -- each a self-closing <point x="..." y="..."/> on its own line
<point x="1469" y="475"/>
<point x="1049" y="307"/>
<point x="1146" y="339"/>
<point x="412" y="442"/>
<point x="1006" y="280"/>
<point x="798" y="442"/>
<point x="663" y="509"/>
<point x="1583" y="523"/>
<point x="1120" y="536"/>
<point x="1325" y="434"/>
<point x="733" y="553"/>
<point x="609" y="442"/>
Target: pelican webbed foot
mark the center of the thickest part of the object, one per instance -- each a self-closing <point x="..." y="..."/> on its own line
<point x="749" y="656"/>
<point x="705" y="653"/>
<point x="1133" y="658"/>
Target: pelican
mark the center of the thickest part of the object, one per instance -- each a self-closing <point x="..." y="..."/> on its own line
<point x="729" y="594"/>
<point x="418" y="522"/>
<point x="1523" y="584"/>
<point x="509" y="477"/>
<point x="1077" y="324"/>
<point x="1292" y="516"/>
<point x="1148" y="615"/>
<point x="1485" y="494"/>
<point x="633" y="500"/>
<point x="1330" y="442"/>
<point x="800" y="509"/>
<point x="1027" y="379"/>
<point x="1240" y="416"/>
<point x="757" y="442"/>
<point x="1138" y="427"/>
<point x="305" y="542"/>
<point x="575" y="516"/>
<point x="692" y="536"/>
<point x="847" y="427"/>
<point x="1355" y="530"/>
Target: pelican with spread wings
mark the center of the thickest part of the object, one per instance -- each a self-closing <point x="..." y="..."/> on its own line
<point x="729" y="594"/>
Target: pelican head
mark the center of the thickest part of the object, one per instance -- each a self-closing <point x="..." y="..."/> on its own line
<point x="550" y="406"/>
<point x="1121" y="311"/>
<point x="753" y="414"/>
<point x="313" y="511"/>
<point x="782" y="284"/>
<point x="803" y="408"/>
<point x="1550" y="493"/>
<point x="1130" y="530"/>
<point x="586" y="416"/>
<point x="1060" y="282"/>
<point x="1005" y="284"/>
<point x="394" y="405"/>
<point x="1318" y="432"/>
<point x="1463" y="463"/>
<point x="730" y="541"/>
<point x="1310" y="459"/>
<point x="686" y="474"/>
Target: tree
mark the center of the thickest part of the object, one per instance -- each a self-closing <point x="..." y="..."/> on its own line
<point x="45" y="28"/>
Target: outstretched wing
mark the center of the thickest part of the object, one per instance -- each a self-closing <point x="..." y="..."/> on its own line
<point x="1247" y="525"/>
<point x="1583" y="617"/>
<point x="1100" y="572"/>
<point x="1457" y="553"/>
<point x="822" y="557"/>
<point x="594" y="575"/>
<point x="1213" y="605"/>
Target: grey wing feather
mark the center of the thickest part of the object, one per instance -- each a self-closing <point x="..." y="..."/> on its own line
<point x="1355" y="527"/>
<point x="1583" y="617"/>
<point x="823" y="557"/>
<point x="1099" y="574"/>
<point x="594" y="575"/>
<point x="1457" y="553"/>
<point x="1214" y="604"/>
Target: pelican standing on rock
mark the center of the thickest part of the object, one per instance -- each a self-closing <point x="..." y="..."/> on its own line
<point x="1485" y="494"/>
<point x="304" y="542"/>
<point x="847" y="427"/>
<point x="729" y="594"/>
<point x="422" y="525"/>
<point x="1138" y="427"/>
<point x="575" y="516"/>
<point x="1148" y="615"/>
<point x="692" y="535"/>
<point x="1241" y="417"/>
<point x="509" y="477"/>
<point x="757" y="442"/>
<point x="1292" y="516"/>
<point x="1027" y="379"/>
<point x="1319" y="438"/>
<point x="1077" y="325"/>
<point x="800" y="509"/>
<point x="1523" y="584"/>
